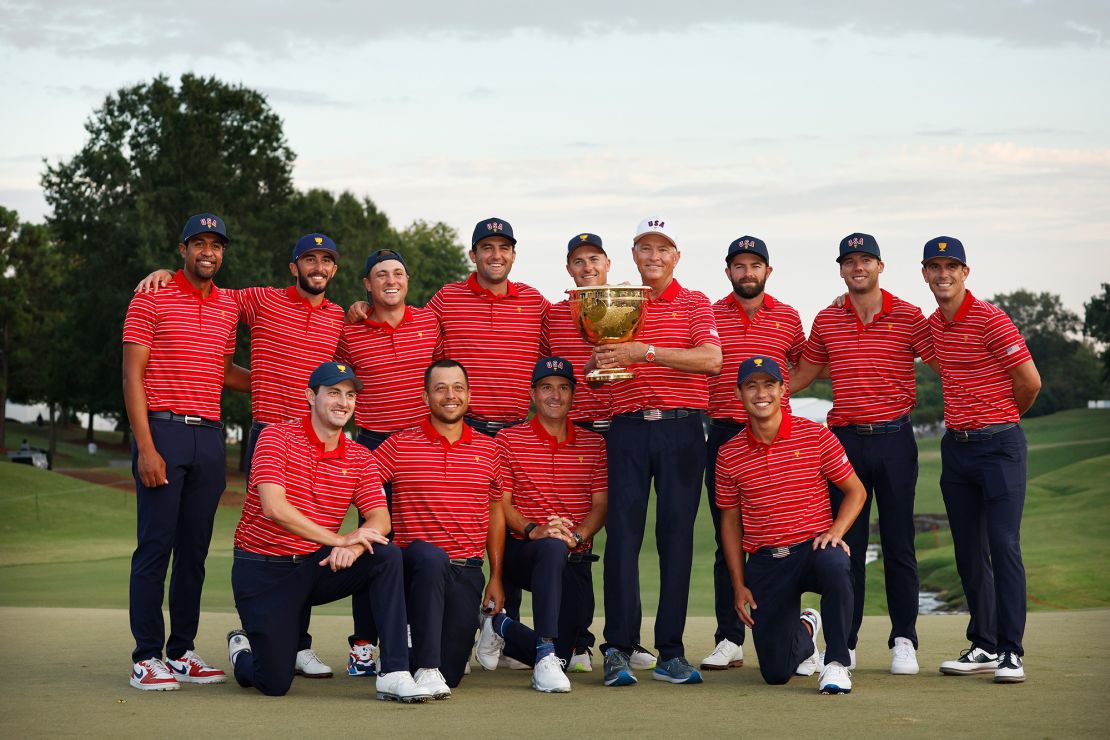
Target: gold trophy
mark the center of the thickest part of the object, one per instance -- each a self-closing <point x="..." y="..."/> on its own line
<point x="609" y="314"/>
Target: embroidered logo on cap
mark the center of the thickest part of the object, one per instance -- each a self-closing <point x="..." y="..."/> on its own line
<point x="319" y="240"/>
<point x="855" y="242"/>
<point x="341" y="368"/>
<point x="209" y="222"/>
<point x="758" y="362"/>
<point x="495" y="226"/>
<point x="747" y="244"/>
<point x="554" y="365"/>
<point x="583" y="237"/>
<point x="655" y="224"/>
<point x="942" y="246"/>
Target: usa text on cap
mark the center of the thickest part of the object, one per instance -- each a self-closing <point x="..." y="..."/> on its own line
<point x="203" y="223"/>
<point x="858" y="242"/>
<point x="333" y="373"/>
<point x="747" y="245"/>
<point x="944" y="246"/>
<point x="311" y="243"/>
<point x="584" y="240"/>
<point x="548" y="366"/>
<point x="758" y="364"/>
<point x="382" y="255"/>
<point x="492" y="227"/>
<point x="656" y="226"/>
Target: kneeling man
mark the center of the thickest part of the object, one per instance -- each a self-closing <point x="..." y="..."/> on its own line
<point x="446" y="510"/>
<point x="289" y="555"/>
<point x="774" y="502"/>
<point x="556" y="486"/>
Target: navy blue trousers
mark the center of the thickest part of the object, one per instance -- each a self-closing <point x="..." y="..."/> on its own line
<point x="174" y="519"/>
<point x="443" y="602"/>
<point x="360" y="613"/>
<point x="271" y="597"/>
<point x="672" y="452"/>
<point x="586" y="638"/>
<point x="729" y="626"/>
<point x="887" y="466"/>
<point x="983" y="484"/>
<point x="576" y="611"/>
<point x="777" y="585"/>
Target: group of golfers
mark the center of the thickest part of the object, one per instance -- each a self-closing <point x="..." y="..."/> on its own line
<point x="485" y="462"/>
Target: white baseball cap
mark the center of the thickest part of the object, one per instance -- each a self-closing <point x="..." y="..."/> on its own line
<point x="656" y="226"/>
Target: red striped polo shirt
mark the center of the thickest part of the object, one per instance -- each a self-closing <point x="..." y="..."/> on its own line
<point x="871" y="365"/>
<point x="188" y="336"/>
<point x="545" y="478"/>
<point x="289" y="339"/>
<point x="781" y="488"/>
<point x="679" y="319"/>
<point x="497" y="339"/>
<point x="976" y="350"/>
<point x="774" y="331"/>
<point x="390" y="361"/>
<point x="321" y="485"/>
<point x="563" y="338"/>
<point x="441" y="491"/>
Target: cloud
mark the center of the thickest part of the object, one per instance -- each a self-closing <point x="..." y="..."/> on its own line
<point x="150" y="29"/>
<point x="294" y="96"/>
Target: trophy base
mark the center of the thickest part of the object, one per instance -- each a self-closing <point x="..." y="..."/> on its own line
<point x="609" y="375"/>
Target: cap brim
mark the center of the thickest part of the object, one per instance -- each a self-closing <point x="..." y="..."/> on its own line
<point x="642" y="234"/>
<point x="512" y="240"/>
<point x="187" y="237"/>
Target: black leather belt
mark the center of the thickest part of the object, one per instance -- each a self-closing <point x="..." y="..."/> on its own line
<point x="599" y="425"/>
<point x="467" y="562"/>
<point x="245" y="555"/>
<point x="185" y="419"/>
<point x="981" y="434"/>
<point x="659" y="414"/>
<point x="784" y="551"/>
<point x="491" y="426"/>
<point x="582" y="557"/>
<point x="883" y="427"/>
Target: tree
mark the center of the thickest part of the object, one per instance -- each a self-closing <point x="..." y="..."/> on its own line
<point x="434" y="255"/>
<point x="1069" y="367"/>
<point x="155" y="155"/>
<point x="1096" y="324"/>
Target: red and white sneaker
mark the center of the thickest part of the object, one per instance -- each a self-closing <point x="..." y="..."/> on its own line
<point x="191" y="668"/>
<point x="152" y="675"/>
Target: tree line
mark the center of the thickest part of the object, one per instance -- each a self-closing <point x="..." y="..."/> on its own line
<point x="157" y="153"/>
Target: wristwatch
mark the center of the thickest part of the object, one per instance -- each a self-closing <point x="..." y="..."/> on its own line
<point x="649" y="356"/>
<point x="528" y="530"/>
<point x="578" y="539"/>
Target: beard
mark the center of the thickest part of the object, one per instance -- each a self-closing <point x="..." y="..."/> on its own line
<point x="749" y="290"/>
<point x="307" y="287"/>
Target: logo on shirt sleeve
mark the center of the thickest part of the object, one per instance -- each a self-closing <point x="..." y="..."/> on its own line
<point x="1011" y="350"/>
<point x="714" y="333"/>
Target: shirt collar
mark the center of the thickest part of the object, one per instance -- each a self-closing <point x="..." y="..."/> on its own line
<point x="294" y="295"/>
<point x="434" y="436"/>
<point x="548" y="438"/>
<point x="784" y="432"/>
<point x="512" y="289"/>
<point x="888" y="306"/>
<point x="768" y="304"/>
<point x="186" y="287"/>
<point x="387" y="327"/>
<point x="318" y="447"/>
<point x="965" y="307"/>
<point x="670" y="292"/>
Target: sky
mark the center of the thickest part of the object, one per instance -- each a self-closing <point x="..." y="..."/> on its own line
<point x="799" y="123"/>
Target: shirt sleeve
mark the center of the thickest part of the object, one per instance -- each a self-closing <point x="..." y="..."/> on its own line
<point x="438" y="352"/>
<point x="703" y="324"/>
<point x="728" y="491"/>
<point x="497" y="478"/>
<point x="921" y="339"/>
<point x="797" y="342"/>
<point x="1004" y="341"/>
<point x="545" y="339"/>
<point x="508" y="480"/>
<point x="599" y="481"/>
<point x="368" y="492"/>
<point x="815" y="351"/>
<point x="385" y="458"/>
<point x="270" y="455"/>
<point x="141" y="320"/>
<point x="834" y="461"/>
<point x="229" y="345"/>
<point x="436" y="304"/>
<point x="249" y="301"/>
<point x="343" y="349"/>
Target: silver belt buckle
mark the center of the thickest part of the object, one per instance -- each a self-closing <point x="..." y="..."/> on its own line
<point x="780" y="552"/>
<point x="653" y="414"/>
<point x="193" y="419"/>
<point x="299" y="558"/>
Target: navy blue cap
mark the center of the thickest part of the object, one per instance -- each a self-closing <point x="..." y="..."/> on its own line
<point x="203" y="223"/>
<point x="382" y="255"/>
<point x="944" y="246"/>
<point x="582" y="240"/>
<point x="748" y="245"/>
<point x="492" y="227"/>
<point x="858" y="242"/>
<point x="333" y="373"/>
<point x="313" y="242"/>
<point x="758" y="364"/>
<point x="548" y="366"/>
